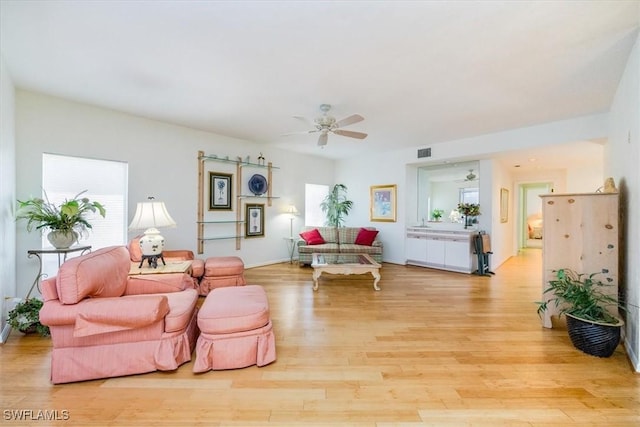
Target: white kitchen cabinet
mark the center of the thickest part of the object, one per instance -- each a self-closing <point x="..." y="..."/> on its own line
<point x="416" y="248"/>
<point x="441" y="249"/>
<point x="456" y="254"/>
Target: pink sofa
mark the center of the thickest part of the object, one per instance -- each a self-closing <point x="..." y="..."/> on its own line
<point x="105" y="323"/>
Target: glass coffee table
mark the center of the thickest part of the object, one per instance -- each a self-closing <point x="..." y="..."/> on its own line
<point x="344" y="264"/>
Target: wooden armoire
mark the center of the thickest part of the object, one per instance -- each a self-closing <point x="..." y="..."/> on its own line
<point x="580" y="232"/>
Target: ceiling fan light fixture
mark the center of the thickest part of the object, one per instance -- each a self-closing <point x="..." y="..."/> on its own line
<point x="326" y="123"/>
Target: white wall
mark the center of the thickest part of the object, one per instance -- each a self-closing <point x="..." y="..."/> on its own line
<point x="163" y="163"/>
<point x="400" y="167"/>
<point x="586" y="178"/>
<point x="7" y="195"/>
<point x="622" y="160"/>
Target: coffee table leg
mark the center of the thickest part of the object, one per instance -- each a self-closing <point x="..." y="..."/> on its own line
<point x="316" y="276"/>
<point x="376" y="279"/>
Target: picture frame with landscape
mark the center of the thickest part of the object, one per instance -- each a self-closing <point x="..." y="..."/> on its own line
<point x="383" y="203"/>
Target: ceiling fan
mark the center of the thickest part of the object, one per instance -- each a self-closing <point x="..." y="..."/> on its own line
<point x="326" y="124"/>
<point x="470" y="177"/>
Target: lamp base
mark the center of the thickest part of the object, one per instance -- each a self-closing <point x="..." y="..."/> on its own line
<point x="151" y="246"/>
<point x="152" y="260"/>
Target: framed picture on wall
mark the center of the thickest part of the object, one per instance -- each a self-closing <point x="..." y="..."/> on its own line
<point x="220" y="191"/>
<point x="383" y="203"/>
<point x="504" y="205"/>
<point x="254" y="220"/>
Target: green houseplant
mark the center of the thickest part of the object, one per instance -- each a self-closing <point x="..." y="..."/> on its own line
<point x="65" y="221"/>
<point x="25" y="317"/>
<point x="436" y="214"/>
<point x="584" y="301"/>
<point x="336" y="205"/>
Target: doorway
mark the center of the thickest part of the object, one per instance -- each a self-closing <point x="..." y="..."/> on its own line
<point x="530" y="223"/>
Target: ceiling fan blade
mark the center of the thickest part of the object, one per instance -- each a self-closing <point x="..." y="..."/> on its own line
<point x="349" y="120"/>
<point x="303" y="132"/>
<point x="306" y="121"/>
<point x="322" y="141"/>
<point x="350" y="133"/>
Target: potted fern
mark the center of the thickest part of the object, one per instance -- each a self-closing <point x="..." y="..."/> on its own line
<point x="584" y="300"/>
<point x="65" y="222"/>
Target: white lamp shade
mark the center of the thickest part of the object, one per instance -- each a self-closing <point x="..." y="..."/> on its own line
<point x="151" y="215"/>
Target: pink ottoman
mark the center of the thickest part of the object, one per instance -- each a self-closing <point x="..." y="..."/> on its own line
<point x="235" y="330"/>
<point x="221" y="271"/>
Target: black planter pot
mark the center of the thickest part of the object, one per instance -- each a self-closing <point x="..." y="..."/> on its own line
<point x="596" y="339"/>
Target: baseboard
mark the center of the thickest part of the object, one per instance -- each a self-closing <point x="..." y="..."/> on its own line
<point x="4" y="335"/>
<point x="633" y="357"/>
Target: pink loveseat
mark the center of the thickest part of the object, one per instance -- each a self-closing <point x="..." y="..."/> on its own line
<point x="105" y="323"/>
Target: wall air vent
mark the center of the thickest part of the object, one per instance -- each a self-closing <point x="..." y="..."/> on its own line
<point x="424" y="152"/>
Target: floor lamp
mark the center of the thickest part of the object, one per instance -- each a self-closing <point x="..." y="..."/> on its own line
<point x="291" y="210"/>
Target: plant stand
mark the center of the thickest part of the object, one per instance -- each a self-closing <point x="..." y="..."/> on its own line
<point x="62" y="257"/>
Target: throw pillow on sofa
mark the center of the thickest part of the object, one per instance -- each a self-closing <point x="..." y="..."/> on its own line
<point x="312" y="237"/>
<point x="366" y="237"/>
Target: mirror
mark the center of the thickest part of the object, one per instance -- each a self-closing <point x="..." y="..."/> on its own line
<point x="442" y="187"/>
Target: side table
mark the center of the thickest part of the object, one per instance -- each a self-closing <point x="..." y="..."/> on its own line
<point x="169" y="267"/>
<point x="291" y="244"/>
<point x="62" y="257"/>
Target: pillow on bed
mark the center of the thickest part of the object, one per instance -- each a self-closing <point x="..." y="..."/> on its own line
<point x="312" y="237"/>
<point x="366" y="237"/>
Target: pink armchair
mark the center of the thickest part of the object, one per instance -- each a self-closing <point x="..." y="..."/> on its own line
<point x="105" y="323"/>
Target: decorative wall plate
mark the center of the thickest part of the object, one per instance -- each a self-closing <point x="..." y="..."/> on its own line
<point x="258" y="184"/>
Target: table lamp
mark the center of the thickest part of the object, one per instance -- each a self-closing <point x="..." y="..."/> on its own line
<point x="150" y="216"/>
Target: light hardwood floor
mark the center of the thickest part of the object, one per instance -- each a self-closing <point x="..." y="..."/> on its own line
<point x="431" y="348"/>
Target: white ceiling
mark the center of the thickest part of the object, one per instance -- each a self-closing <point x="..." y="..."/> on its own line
<point x="419" y="72"/>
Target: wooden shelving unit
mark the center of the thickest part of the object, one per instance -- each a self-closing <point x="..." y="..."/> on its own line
<point x="239" y="221"/>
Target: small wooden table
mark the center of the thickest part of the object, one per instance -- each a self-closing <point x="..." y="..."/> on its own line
<point x="170" y="267"/>
<point x="344" y="264"/>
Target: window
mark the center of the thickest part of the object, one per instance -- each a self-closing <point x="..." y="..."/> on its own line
<point x="314" y="194"/>
<point x="469" y="195"/>
<point x="105" y="181"/>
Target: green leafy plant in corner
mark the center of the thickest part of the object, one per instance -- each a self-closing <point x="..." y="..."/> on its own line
<point x="25" y="317"/>
<point x="336" y="205"/>
<point x="580" y="295"/>
<point x="68" y="216"/>
<point x="437" y="214"/>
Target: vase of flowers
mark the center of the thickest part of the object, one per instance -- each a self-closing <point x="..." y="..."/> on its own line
<point x="65" y="222"/>
<point x="470" y="211"/>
